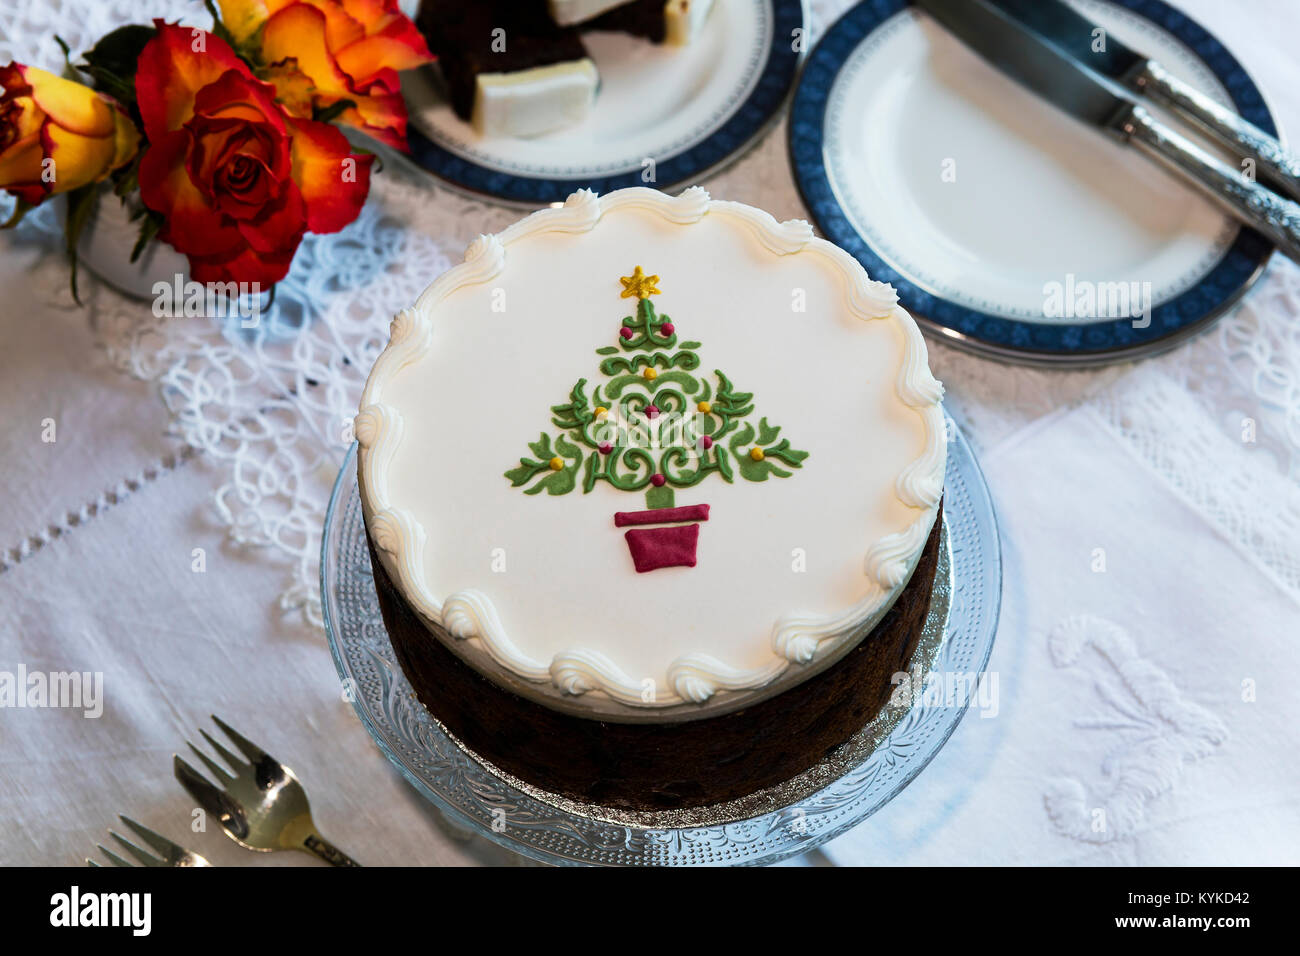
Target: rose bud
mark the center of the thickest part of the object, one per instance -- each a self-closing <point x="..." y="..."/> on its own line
<point x="57" y="135"/>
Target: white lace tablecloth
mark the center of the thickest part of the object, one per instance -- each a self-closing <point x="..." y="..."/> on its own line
<point x="168" y="538"/>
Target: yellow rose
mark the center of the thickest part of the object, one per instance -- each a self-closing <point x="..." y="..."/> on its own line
<point x="57" y="135"/>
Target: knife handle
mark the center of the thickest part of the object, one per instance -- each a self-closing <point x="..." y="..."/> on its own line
<point x="1276" y="167"/>
<point x="1262" y="210"/>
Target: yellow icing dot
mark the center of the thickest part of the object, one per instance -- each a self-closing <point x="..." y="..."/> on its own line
<point x="650" y="374"/>
<point x="601" y="411"/>
<point x="705" y="407"/>
<point x="557" y="463"/>
<point x="756" y="454"/>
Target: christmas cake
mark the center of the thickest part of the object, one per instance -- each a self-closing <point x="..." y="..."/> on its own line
<point x="652" y="486"/>
<point x="519" y="67"/>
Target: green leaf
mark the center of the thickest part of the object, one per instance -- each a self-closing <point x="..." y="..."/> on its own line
<point x="736" y="404"/>
<point x="724" y="464"/>
<point x="21" y="208"/>
<point x="688" y="345"/>
<point x="767" y="433"/>
<point x="560" y="482"/>
<point x="111" y="63"/>
<point x="789" y="455"/>
<point x="524" y="473"/>
<point x="556" y="482"/>
<point x="68" y="68"/>
<point x="552" y="481"/>
<point x="81" y="204"/>
<point x="127" y="180"/>
<point x="752" y="470"/>
<point x="149" y="227"/>
<point x="542" y="447"/>
<point x="332" y="112"/>
<point x="577" y="412"/>
<point x="607" y="350"/>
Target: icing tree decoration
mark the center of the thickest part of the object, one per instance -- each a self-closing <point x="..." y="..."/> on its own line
<point x="654" y="426"/>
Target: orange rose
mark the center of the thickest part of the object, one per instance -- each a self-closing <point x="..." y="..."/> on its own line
<point x="57" y="135"/>
<point x="338" y="50"/>
<point x="236" y="181"/>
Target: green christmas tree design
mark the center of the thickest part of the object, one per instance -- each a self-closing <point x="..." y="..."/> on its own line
<point x="652" y="424"/>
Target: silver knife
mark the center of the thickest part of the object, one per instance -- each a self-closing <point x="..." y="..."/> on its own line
<point x="1078" y="37"/>
<point x="1023" y="55"/>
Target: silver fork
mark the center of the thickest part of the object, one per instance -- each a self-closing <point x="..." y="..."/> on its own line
<point x="262" y="806"/>
<point x="173" y="854"/>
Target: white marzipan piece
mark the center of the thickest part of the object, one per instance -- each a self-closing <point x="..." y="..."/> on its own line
<point x="535" y="101"/>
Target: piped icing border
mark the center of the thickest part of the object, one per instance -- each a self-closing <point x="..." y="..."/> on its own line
<point x="796" y="638"/>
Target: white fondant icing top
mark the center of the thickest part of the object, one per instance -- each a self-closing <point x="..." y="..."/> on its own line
<point x="789" y="570"/>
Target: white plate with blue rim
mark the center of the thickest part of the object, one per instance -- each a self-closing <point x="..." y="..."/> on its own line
<point x="1007" y="227"/>
<point x="664" y="116"/>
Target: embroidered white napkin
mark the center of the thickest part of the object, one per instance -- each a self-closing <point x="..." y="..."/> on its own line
<point x="1145" y="662"/>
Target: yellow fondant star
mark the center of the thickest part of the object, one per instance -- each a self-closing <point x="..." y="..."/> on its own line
<point x="638" y="285"/>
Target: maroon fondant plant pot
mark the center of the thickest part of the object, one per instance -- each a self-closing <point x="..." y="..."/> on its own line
<point x="670" y="546"/>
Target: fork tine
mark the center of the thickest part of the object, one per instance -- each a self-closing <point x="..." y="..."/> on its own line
<point x="90" y="862"/>
<point x="221" y="773"/>
<point x="156" y="840"/>
<point x="230" y="759"/>
<point x="246" y="746"/>
<point x="113" y="857"/>
<point x="144" y="858"/>
<point x="213" y="800"/>
<point x="199" y="786"/>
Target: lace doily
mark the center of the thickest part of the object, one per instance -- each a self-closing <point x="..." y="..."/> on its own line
<point x="272" y="407"/>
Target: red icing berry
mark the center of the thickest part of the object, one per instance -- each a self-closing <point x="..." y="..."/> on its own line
<point x="652" y="411"/>
<point x="605" y="447"/>
<point x="657" y="480"/>
<point x="706" y="442"/>
<point x="625" y="332"/>
<point x="667" y="329"/>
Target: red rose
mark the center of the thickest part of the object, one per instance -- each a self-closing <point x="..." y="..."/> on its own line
<point x="237" y="181"/>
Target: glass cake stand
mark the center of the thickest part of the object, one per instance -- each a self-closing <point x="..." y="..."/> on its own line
<point x="784" y="821"/>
